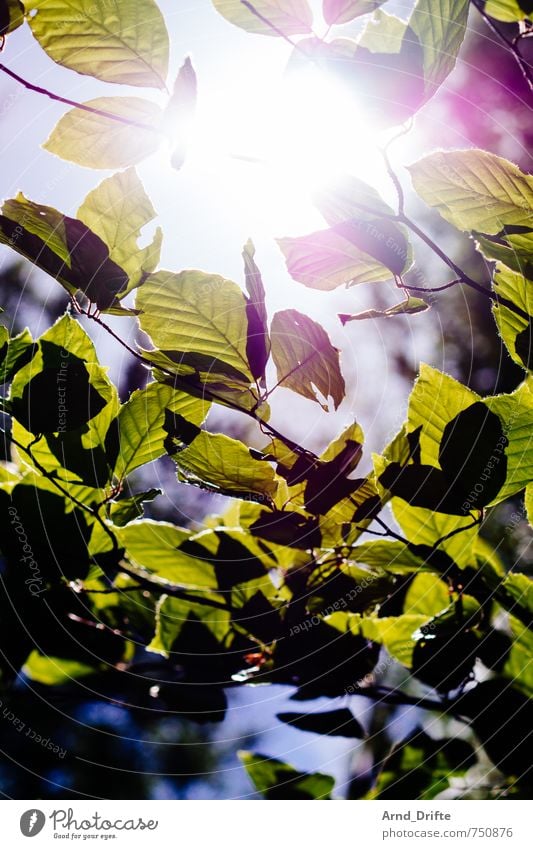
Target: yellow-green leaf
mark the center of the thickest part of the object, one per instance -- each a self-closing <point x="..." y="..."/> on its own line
<point x="508" y="11"/>
<point x="440" y="26"/>
<point x="341" y="11"/>
<point x="475" y="190"/>
<point x="290" y="17"/>
<point x="120" y="42"/>
<point x="216" y="462"/>
<point x="199" y="314"/>
<point x="141" y="424"/>
<point x="117" y="210"/>
<point x="11" y="16"/>
<point x="96" y="141"/>
<point x="515" y="330"/>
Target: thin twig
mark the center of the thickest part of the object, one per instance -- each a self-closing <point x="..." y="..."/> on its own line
<point x="462" y="276"/>
<point x="427" y="290"/>
<point x="102" y="113"/>
<point x="511" y="44"/>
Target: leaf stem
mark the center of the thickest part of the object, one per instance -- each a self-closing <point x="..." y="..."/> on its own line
<point x="102" y="113"/>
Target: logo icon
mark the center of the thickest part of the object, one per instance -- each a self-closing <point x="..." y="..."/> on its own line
<point x="32" y="822"/>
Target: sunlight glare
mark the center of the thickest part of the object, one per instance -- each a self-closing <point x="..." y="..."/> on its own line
<point x="280" y="148"/>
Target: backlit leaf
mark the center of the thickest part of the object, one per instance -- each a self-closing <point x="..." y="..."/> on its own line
<point x="97" y="141"/>
<point x="277" y="780"/>
<point x="515" y="330"/>
<point x="440" y="27"/>
<point x="291" y="17"/>
<point x="305" y="359"/>
<point x="123" y="42"/>
<point x="474" y="190"/>
<point x="341" y="11"/>
<point x="221" y="464"/>
<point x="508" y="11"/>
<point x="141" y="424"/>
<point x="11" y="15"/>
<point x="63" y="247"/>
<point x="198" y="318"/>
<point x="117" y="210"/>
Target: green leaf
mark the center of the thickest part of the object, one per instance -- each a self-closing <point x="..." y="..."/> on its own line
<point x="427" y="595"/>
<point x="96" y="141"/>
<point x="512" y="246"/>
<point x="475" y="190"/>
<point x="141" y="424"/>
<point x="156" y="548"/>
<point x="435" y="399"/>
<point x="395" y="633"/>
<point x="422" y="768"/>
<point x="335" y="723"/>
<point x="11" y="16"/>
<point x="529" y="503"/>
<point x="508" y="11"/>
<point x="16" y="352"/>
<point x="63" y="393"/>
<point x="291" y="17"/>
<point x="173" y="615"/>
<point x="393" y="556"/>
<point x="63" y="247"/>
<point x="440" y="27"/>
<point x="54" y="671"/>
<point x="517" y="419"/>
<point x="178" y="117"/>
<point x="341" y="11"/>
<point x="519" y="663"/>
<point x="278" y="780"/>
<point x="123" y="42"/>
<point x="383" y="33"/>
<point x="198" y="318"/>
<point x="305" y="359"/>
<point x="453" y="468"/>
<point x="218" y="463"/>
<point x="128" y="509"/>
<point x="425" y="527"/>
<point x="117" y="210"/>
<point x="515" y="330"/>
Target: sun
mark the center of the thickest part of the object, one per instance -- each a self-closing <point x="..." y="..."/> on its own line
<point x="282" y="141"/>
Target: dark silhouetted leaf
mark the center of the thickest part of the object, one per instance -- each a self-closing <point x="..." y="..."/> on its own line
<point x="258" y="341"/>
<point x="336" y="723"/>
